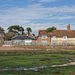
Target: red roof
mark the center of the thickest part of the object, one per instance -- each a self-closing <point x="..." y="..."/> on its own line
<point x="59" y="33"/>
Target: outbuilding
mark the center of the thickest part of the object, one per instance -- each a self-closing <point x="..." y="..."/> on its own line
<point x="22" y="40"/>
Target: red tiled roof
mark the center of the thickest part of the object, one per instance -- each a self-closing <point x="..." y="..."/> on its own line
<point x="43" y="32"/>
<point x="61" y="33"/>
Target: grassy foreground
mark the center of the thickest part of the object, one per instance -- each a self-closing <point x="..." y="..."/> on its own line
<point x="47" y="58"/>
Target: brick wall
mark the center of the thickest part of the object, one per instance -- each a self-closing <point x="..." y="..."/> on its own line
<point x="40" y="39"/>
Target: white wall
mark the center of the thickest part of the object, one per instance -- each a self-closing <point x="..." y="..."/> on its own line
<point x="28" y="41"/>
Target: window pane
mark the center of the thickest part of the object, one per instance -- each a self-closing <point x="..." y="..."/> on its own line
<point x="54" y="37"/>
<point x="44" y="36"/>
<point x="64" y="37"/>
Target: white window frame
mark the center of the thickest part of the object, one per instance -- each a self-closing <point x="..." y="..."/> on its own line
<point x="54" y="37"/>
<point x="44" y="36"/>
<point x="64" y="37"/>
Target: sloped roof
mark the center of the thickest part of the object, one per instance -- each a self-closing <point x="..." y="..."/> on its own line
<point x="43" y="32"/>
<point x="22" y="37"/>
<point x="61" y="33"/>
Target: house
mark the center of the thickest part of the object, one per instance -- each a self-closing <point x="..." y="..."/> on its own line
<point x="57" y="36"/>
<point x="22" y="40"/>
<point x="44" y="37"/>
<point x="1" y="38"/>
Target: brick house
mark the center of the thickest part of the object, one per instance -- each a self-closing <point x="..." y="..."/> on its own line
<point x="1" y="38"/>
<point x="44" y="37"/>
<point x="57" y="36"/>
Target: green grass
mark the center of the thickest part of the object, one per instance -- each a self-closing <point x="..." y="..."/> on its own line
<point x="49" y="58"/>
<point x="45" y="71"/>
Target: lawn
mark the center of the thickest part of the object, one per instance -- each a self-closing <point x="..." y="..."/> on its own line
<point x="46" y="58"/>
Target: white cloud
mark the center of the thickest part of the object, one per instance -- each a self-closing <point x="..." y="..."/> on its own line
<point x="23" y="16"/>
<point x="62" y="18"/>
<point x="47" y="0"/>
<point x="5" y="5"/>
<point x="44" y="0"/>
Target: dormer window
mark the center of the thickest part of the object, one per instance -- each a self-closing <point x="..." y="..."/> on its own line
<point x="54" y="37"/>
<point x="64" y="37"/>
<point x="44" y="36"/>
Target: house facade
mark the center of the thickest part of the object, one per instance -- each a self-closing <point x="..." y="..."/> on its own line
<point x="1" y="38"/>
<point x="22" y="40"/>
<point x="57" y="36"/>
<point x="44" y="37"/>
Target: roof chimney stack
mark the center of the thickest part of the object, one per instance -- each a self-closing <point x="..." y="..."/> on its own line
<point x="68" y="27"/>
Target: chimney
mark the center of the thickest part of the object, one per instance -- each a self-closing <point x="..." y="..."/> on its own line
<point x="68" y="27"/>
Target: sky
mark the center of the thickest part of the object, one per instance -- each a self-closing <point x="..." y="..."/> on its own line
<point x="37" y="14"/>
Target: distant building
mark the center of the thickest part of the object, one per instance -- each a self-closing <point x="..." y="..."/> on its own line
<point x="57" y="36"/>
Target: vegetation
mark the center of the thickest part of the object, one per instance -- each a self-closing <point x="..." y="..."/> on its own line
<point x="28" y="30"/>
<point x="47" y="58"/>
<point x="33" y="34"/>
<point x="50" y="29"/>
<point x="1" y="29"/>
<point x="16" y="29"/>
<point x="9" y="35"/>
<point x="70" y="70"/>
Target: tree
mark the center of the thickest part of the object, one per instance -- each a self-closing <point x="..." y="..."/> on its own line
<point x="50" y="29"/>
<point x="1" y="29"/>
<point x="22" y="30"/>
<point x="28" y="30"/>
<point x="16" y="29"/>
<point x="33" y="34"/>
<point x="9" y="35"/>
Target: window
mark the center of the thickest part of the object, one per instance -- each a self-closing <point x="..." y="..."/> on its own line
<point x="40" y="32"/>
<point x="44" y="41"/>
<point x="44" y="36"/>
<point x="64" y="37"/>
<point x="54" y="37"/>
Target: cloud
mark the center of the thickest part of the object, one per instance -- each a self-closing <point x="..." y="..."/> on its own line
<point x="62" y="18"/>
<point x="5" y="5"/>
<point x="24" y="16"/>
<point x="38" y="26"/>
<point x="44" y="0"/>
<point x="47" y="0"/>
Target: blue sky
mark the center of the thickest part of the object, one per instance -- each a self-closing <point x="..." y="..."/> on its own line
<point x="37" y="14"/>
